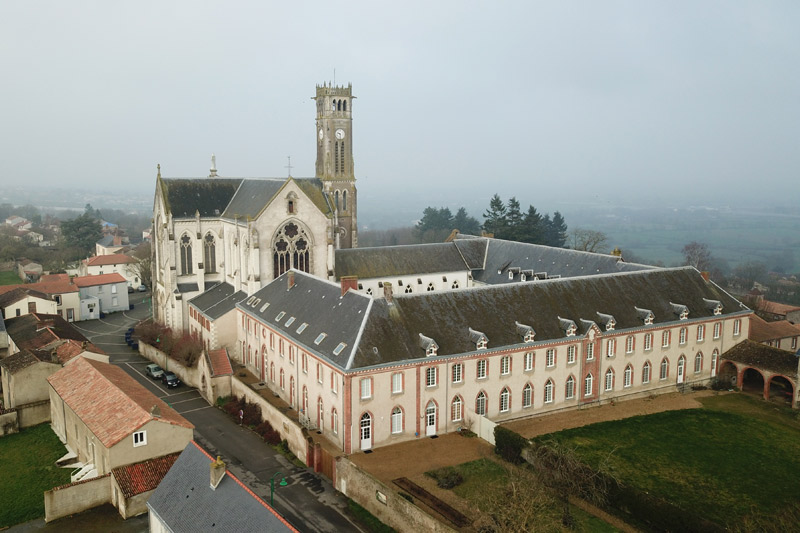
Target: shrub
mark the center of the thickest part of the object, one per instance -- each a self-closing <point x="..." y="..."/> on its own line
<point x="187" y="350"/>
<point x="268" y="433"/>
<point x="448" y="478"/>
<point x="509" y="445"/>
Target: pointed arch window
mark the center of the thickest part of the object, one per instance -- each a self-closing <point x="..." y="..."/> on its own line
<point x="527" y="395"/>
<point x="480" y="404"/>
<point x="336" y="193"/>
<point x="290" y="250"/>
<point x="397" y="420"/>
<point x="646" y="372"/>
<point x="569" y="390"/>
<point x="455" y="409"/>
<point x="609" y="380"/>
<point x="664" y="369"/>
<point x="588" y="385"/>
<point x="209" y="254"/>
<point x="186" y="255"/>
<point x="628" y="377"/>
<point x="344" y="200"/>
<point x="548" y="391"/>
<point x="505" y="396"/>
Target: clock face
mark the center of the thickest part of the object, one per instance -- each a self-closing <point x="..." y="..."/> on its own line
<point x="340" y="134"/>
<point x="320" y="134"/>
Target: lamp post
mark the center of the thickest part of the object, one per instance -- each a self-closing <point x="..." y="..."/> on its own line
<point x="272" y="487"/>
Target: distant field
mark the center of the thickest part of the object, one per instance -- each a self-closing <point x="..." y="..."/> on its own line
<point x="9" y="278"/>
<point x="737" y="455"/>
<point x="27" y="469"/>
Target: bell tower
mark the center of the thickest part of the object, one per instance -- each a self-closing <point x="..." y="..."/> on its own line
<point x="334" y="132"/>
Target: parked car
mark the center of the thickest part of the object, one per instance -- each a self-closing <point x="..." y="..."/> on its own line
<point x="170" y="380"/>
<point x="130" y="289"/>
<point x="154" y="371"/>
<point x="142" y="288"/>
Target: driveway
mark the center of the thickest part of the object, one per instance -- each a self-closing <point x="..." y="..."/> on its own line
<point x="309" y="502"/>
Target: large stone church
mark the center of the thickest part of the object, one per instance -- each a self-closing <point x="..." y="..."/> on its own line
<point x="244" y="231"/>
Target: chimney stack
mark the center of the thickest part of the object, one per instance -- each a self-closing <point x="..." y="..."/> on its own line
<point x="349" y="282"/>
<point x="705" y="275"/>
<point x="387" y="291"/>
<point x="289" y="279"/>
<point x="217" y="472"/>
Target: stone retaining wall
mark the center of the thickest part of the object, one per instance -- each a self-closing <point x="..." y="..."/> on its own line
<point x="76" y="497"/>
<point x="9" y="423"/>
<point x="190" y="376"/>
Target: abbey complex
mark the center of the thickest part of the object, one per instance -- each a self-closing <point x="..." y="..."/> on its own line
<point x="381" y="345"/>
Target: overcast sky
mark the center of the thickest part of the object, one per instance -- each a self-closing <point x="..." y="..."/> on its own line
<point x="568" y="100"/>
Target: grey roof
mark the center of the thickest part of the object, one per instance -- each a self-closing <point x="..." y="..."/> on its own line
<point x="252" y="196"/>
<point x="106" y="241"/>
<point x="315" y="302"/>
<point x="473" y="251"/>
<point x="218" y="300"/>
<point x="185" y="501"/>
<point x="184" y="197"/>
<point x="503" y="255"/>
<point x="188" y="287"/>
<point x="393" y="261"/>
<point x="447" y="316"/>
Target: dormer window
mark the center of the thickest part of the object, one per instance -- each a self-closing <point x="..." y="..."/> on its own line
<point x="429" y="345"/>
<point x="481" y="344"/>
<point x="480" y="340"/>
<point x="715" y="306"/>
<point x="525" y="331"/>
<point x="568" y="326"/>
<point x="607" y="320"/>
<point x="681" y="310"/>
<point x="646" y="315"/>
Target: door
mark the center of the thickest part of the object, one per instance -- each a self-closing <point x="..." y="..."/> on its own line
<point x="366" y="431"/>
<point x="430" y="419"/>
<point x="681" y="365"/>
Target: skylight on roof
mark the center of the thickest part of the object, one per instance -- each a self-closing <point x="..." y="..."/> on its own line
<point x="264" y="307"/>
<point x="320" y="337"/>
<point x="290" y="321"/>
<point x="280" y="316"/>
<point x="302" y="327"/>
<point x="339" y="348"/>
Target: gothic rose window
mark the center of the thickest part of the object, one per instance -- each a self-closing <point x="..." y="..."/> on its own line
<point x="291" y="250"/>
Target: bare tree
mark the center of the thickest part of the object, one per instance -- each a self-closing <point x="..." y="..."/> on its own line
<point x="588" y="240"/>
<point x="143" y="265"/>
<point x="696" y="254"/>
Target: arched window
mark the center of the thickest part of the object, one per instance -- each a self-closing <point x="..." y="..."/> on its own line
<point x="320" y="415"/>
<point x="344" y="200"/>
<point x="397" y="420"/>
<point x="272" y="372"/>
<point x="291" y="250"/>
<point x="480" y="404"/>
<point x="588" y="384"/>
<point x="609" y="379"/>
<point x="646" y="372"/>
<point x="283" y="380"/>
<point x="455" y="409"/>
<point x="338" y="105"/>
<point x="409" y="290"/>
<point x="335" y="421"/>
<point x="548" y="391"/>
<point x="430" y="287"/>
<point x="628" y="378"/>
<point x="344" y="105"/>
<point x="336" y="200"/>
<point x="305" y="399"/>
<point x="504" y="400"/>
<point x="454" y="285"/>
<point x="333" y="105"/>
<point x="569" y="388"/>
<point x="209" y="254"/>
<point x="291" y="391"/>
<point x="664" y="369"/>
<point x="186" y="255"/>
<point x="714" y="359"/>
<point x="698" y="363"/>
<point x="527" y="395"/>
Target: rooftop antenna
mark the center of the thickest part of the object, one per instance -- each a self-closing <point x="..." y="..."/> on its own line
<point x="289" y="166"/>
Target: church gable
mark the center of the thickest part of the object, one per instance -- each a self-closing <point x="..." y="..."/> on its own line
<point x="252" y="197"/>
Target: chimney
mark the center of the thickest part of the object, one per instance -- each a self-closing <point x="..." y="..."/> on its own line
<point x="290" y="279"/>
<point x="349" y="282"/>
<point x="705" y="275"/>
<point x="155" y="411"/>
<point x="387" y="291"/>
<point x="217" y="472"/>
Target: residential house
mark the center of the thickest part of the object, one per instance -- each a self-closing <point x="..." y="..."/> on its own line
<point x="779" y="311"/>
<point x="111" y="263"/>
<point x="23" y="300"/>
<point x="104" y="293"/>
<point x="780" y="334"/>
<point x="200" y="494"/>
<point x="112" y="242"/>
<point x="370" y="372"/>
<point x="132" y="485"/>
<point x="57" y="287"/>
<point x="28" y="271"/>
<point x="109" y="420"/>
<point x="19" y="223"/>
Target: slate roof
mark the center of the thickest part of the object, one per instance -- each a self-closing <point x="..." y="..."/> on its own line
<point x="36" y="330"/>
<point x="391" y="261"/>
<point x="448" y="316"/>
<point x="217" y="300"/>
<point x="761" y="330"/>
<point x="99" y="279"/>
<point x="219" y="362"/>
<point x="473" y="250"/>
<point x="111" y="403"/>
<point x="764" y="357"/>
<point x="184" y="500"/>
<point x="111" y="259"/>
<point x="316" y="302"/>
<point x="141" y="477"/>
<point x="106" y="240"/>
<point x="183" y="197"/>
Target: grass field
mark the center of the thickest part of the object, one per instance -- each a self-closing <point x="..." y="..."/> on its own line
<point x="9" y="278"/>
<point x="737" y="456"/>
<point x="27" y="469"/>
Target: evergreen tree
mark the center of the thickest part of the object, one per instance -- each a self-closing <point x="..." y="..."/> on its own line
<point x="558" y="231"/>
<point x="495" y="217"/>
<point x="465" y="223"/>
<point x="435" y="225"/>
<point x="81" y="233"/>
<point x="514" y="220"/>
<point x="532" y="230"/>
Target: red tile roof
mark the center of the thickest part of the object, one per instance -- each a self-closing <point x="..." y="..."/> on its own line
<point x="100" y="279"/>
<point x="776" y="308"/>
<point x="111" y="259"/>
<point x="220" y="362"/>
<point x="761" y="330"/>
<point x="111" y="403"/>
<point x="141" y="477"/>
<point x="52" y="284"/>
<point x="55" y="277"/>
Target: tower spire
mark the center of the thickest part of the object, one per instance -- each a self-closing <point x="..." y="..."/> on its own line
<point x="213" y="170"/>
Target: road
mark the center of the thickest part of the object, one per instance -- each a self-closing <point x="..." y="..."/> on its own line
<point x="309" y="502"/>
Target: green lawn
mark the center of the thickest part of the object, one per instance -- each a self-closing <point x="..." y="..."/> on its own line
<point x="736" y="456"/>
<point x="27" y="469"/>
<point x="9" y="278"/>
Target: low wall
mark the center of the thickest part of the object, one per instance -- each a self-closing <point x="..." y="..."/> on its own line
<point x="34" y="413"/>
<point x="76" y="497"/>
<point x="382" y="501"/>
<point x="8" y="423"/>
<point x="288" y="428"/>
<point x="190" y="376"/>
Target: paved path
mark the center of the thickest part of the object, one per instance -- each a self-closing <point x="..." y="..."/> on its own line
<point x="308" y="502"/>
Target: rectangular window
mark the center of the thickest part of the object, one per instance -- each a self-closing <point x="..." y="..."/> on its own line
<point x="527" y="394"/>
<point x="319" y="373"/>
<point x="58" y="299"/>
<point x="334" y="383"/>
<point x="397" y="383"/>
<point x="794" y="343"/>
<point x="629" y="344"/>
<point x="701" y="332"/>
<point x="648" y="341"/>
<point x="665" y="339"/>
<point x="682" y="337"/>
<point x="482" y="369"/>
<point x="113" y="289"/>
<point x="366" y="388"/>
<point x="550" y="357"/>
<point x="590" y="351"/>
<point x="737" y="327"/>
<point x="528" y="361"/>
<point x="139" y="438"/>
<point x="717" y="330"/>
<point x="505" y="365"/>
<point x="305" y="365"/>
<point x="457" y="373"/>
<point x="397" y="421"/>
<point x="430" y="376"/>
<point x="114" y="301"/>
<point x="611" y="347"/>
<point x="571" y="354"/>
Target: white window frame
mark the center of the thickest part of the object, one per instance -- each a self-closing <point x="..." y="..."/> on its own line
<point x="698" y="363"/>
<point x="397" y="420"/>
<point x="611" y="347"/>
<point x="140" y="438"/>
<point x="628" y="376"/>
<point x="480" y="404"/>
<point x="629" y="344"/>
<point x="684" y="332"/>
<point x="527" y="395"/>
<point x="571" y="350"/>
<point x="663" y="369"/>
<point x="717" y="330"/>
<point x="528" y="361"/>
<point x="548" y="391"/>
<point x="505" y="365"/>
<point x="397" y="383"/>
<point x="648" y="341"/>
<point x="646" y="371"/>
<point x="481" y="368"/>
<point x="665" y="338"/>
<point x="609" y="380"/>
<point x="550" y="358"/>
<point x="456" y="409"/>
<point x="431" y="376"/>
<point x="588" y="385"/>
<point x="701" y="332"/>
<point x="458" y="373"/>
<point x="590" y="351"/>
<point x="737" y="327"/>
<point x="569" y="388"/>
<point x="366" y="388"/>
<point x="505" y="400"/>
